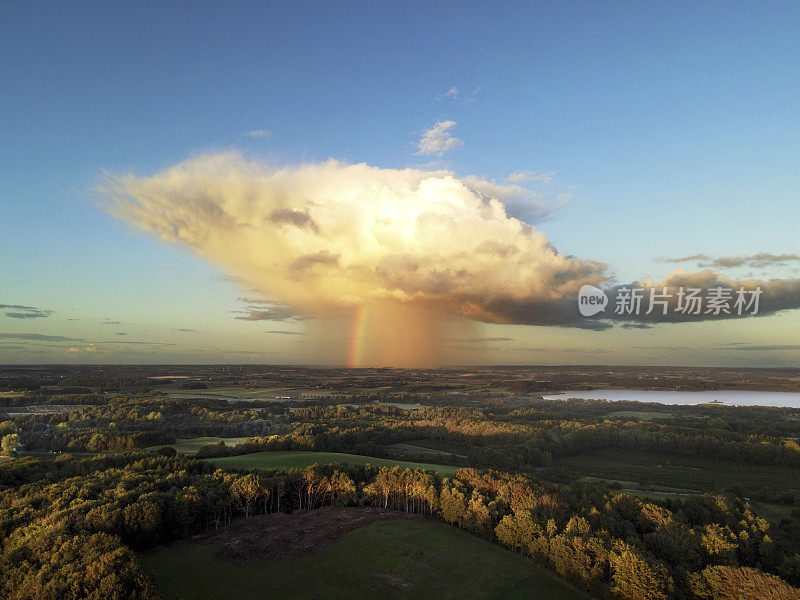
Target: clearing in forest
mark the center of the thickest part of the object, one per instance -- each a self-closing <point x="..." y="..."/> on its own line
<point x="391" y="558"/>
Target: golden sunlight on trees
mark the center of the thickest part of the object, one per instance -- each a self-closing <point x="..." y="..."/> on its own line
<point x="10" y="444"/>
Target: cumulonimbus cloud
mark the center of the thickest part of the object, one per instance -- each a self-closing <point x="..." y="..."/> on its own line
<point x="322" y="237"/>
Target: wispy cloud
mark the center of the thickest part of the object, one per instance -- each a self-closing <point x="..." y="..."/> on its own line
<point x="282" y="332"/>
<point x="136" y="343"/>
<point x="556" y="350"/>
<point x="529" y="176"/>
<point x="279" y="313"/>
<point x="19" y="311"/>
<point x="758" y="260"/>
<point x="768" y="348"/>
<point x="258" y="133"/>
<point x="684" y="259"/>
<point x="39" y="337"/>
<point x="479" y="340"/>
<point x="438" y="140"/>
<point x="458" y="96"/>
<point x="263" y="310"/>
<point x="662" y="348"/>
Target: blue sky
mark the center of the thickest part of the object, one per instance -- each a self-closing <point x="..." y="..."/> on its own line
<point x="670" y="129"/>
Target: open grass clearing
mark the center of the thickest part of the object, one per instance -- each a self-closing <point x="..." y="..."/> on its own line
<point x="404" y="559"/>
<point x="772" y="512"/>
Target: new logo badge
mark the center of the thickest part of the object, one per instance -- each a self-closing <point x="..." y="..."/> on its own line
<point x="591" y="300"/>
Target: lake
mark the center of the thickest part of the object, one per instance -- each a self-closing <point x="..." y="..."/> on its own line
<point x="728" y="397"/>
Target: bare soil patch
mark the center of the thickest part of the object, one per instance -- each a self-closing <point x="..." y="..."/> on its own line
<point x="301" y="532"/>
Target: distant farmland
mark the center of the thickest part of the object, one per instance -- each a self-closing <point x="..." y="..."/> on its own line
<point x="192" y="445"/>
<point x="289" y="460"/>
<point x="680" y="473"/>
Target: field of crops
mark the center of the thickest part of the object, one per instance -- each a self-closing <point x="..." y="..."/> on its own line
<point x="676" y="472"/>
<point x="288" y="460"/>
<point x="402" y="559"/>
<point x="192" y="445"/>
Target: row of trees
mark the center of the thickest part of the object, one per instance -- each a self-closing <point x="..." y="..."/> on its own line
<point x="69" y="526"/>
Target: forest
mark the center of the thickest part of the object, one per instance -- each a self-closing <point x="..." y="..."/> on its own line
<point x="94" y="477"/>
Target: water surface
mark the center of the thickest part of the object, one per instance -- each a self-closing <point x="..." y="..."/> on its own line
<point x="728" y="397"/>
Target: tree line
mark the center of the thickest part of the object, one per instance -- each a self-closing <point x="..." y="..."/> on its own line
<point x="71" y="526"/>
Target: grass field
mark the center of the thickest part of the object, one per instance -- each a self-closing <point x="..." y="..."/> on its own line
<point x="443" y="446"/>
<point x="653" y="492"/>
<point x="679" y="473"/>
<point x="405" y="405"/>
<point x="192" y="445"/>
<point x="390" y="560"/>
<point x="233" y="395"/>
<point x="773" y="512"/>
<point x="639" y="414"/>
<point x="413" y="452"/>
<point x="288" y="460"/>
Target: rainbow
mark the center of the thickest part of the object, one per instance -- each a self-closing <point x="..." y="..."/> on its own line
<point x="355" y="358"/>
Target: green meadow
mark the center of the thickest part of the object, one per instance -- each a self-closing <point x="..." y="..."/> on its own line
<point x="192" y="445"/>
<point x="390" y="560"/>
<point x="289" y="460"/>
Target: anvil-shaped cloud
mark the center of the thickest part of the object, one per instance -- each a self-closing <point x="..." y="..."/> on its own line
<point x="325" y="237"/>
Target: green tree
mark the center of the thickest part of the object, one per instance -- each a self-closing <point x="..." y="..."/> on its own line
<point x="10" y="443"/>
<point x="247" y="490"/>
